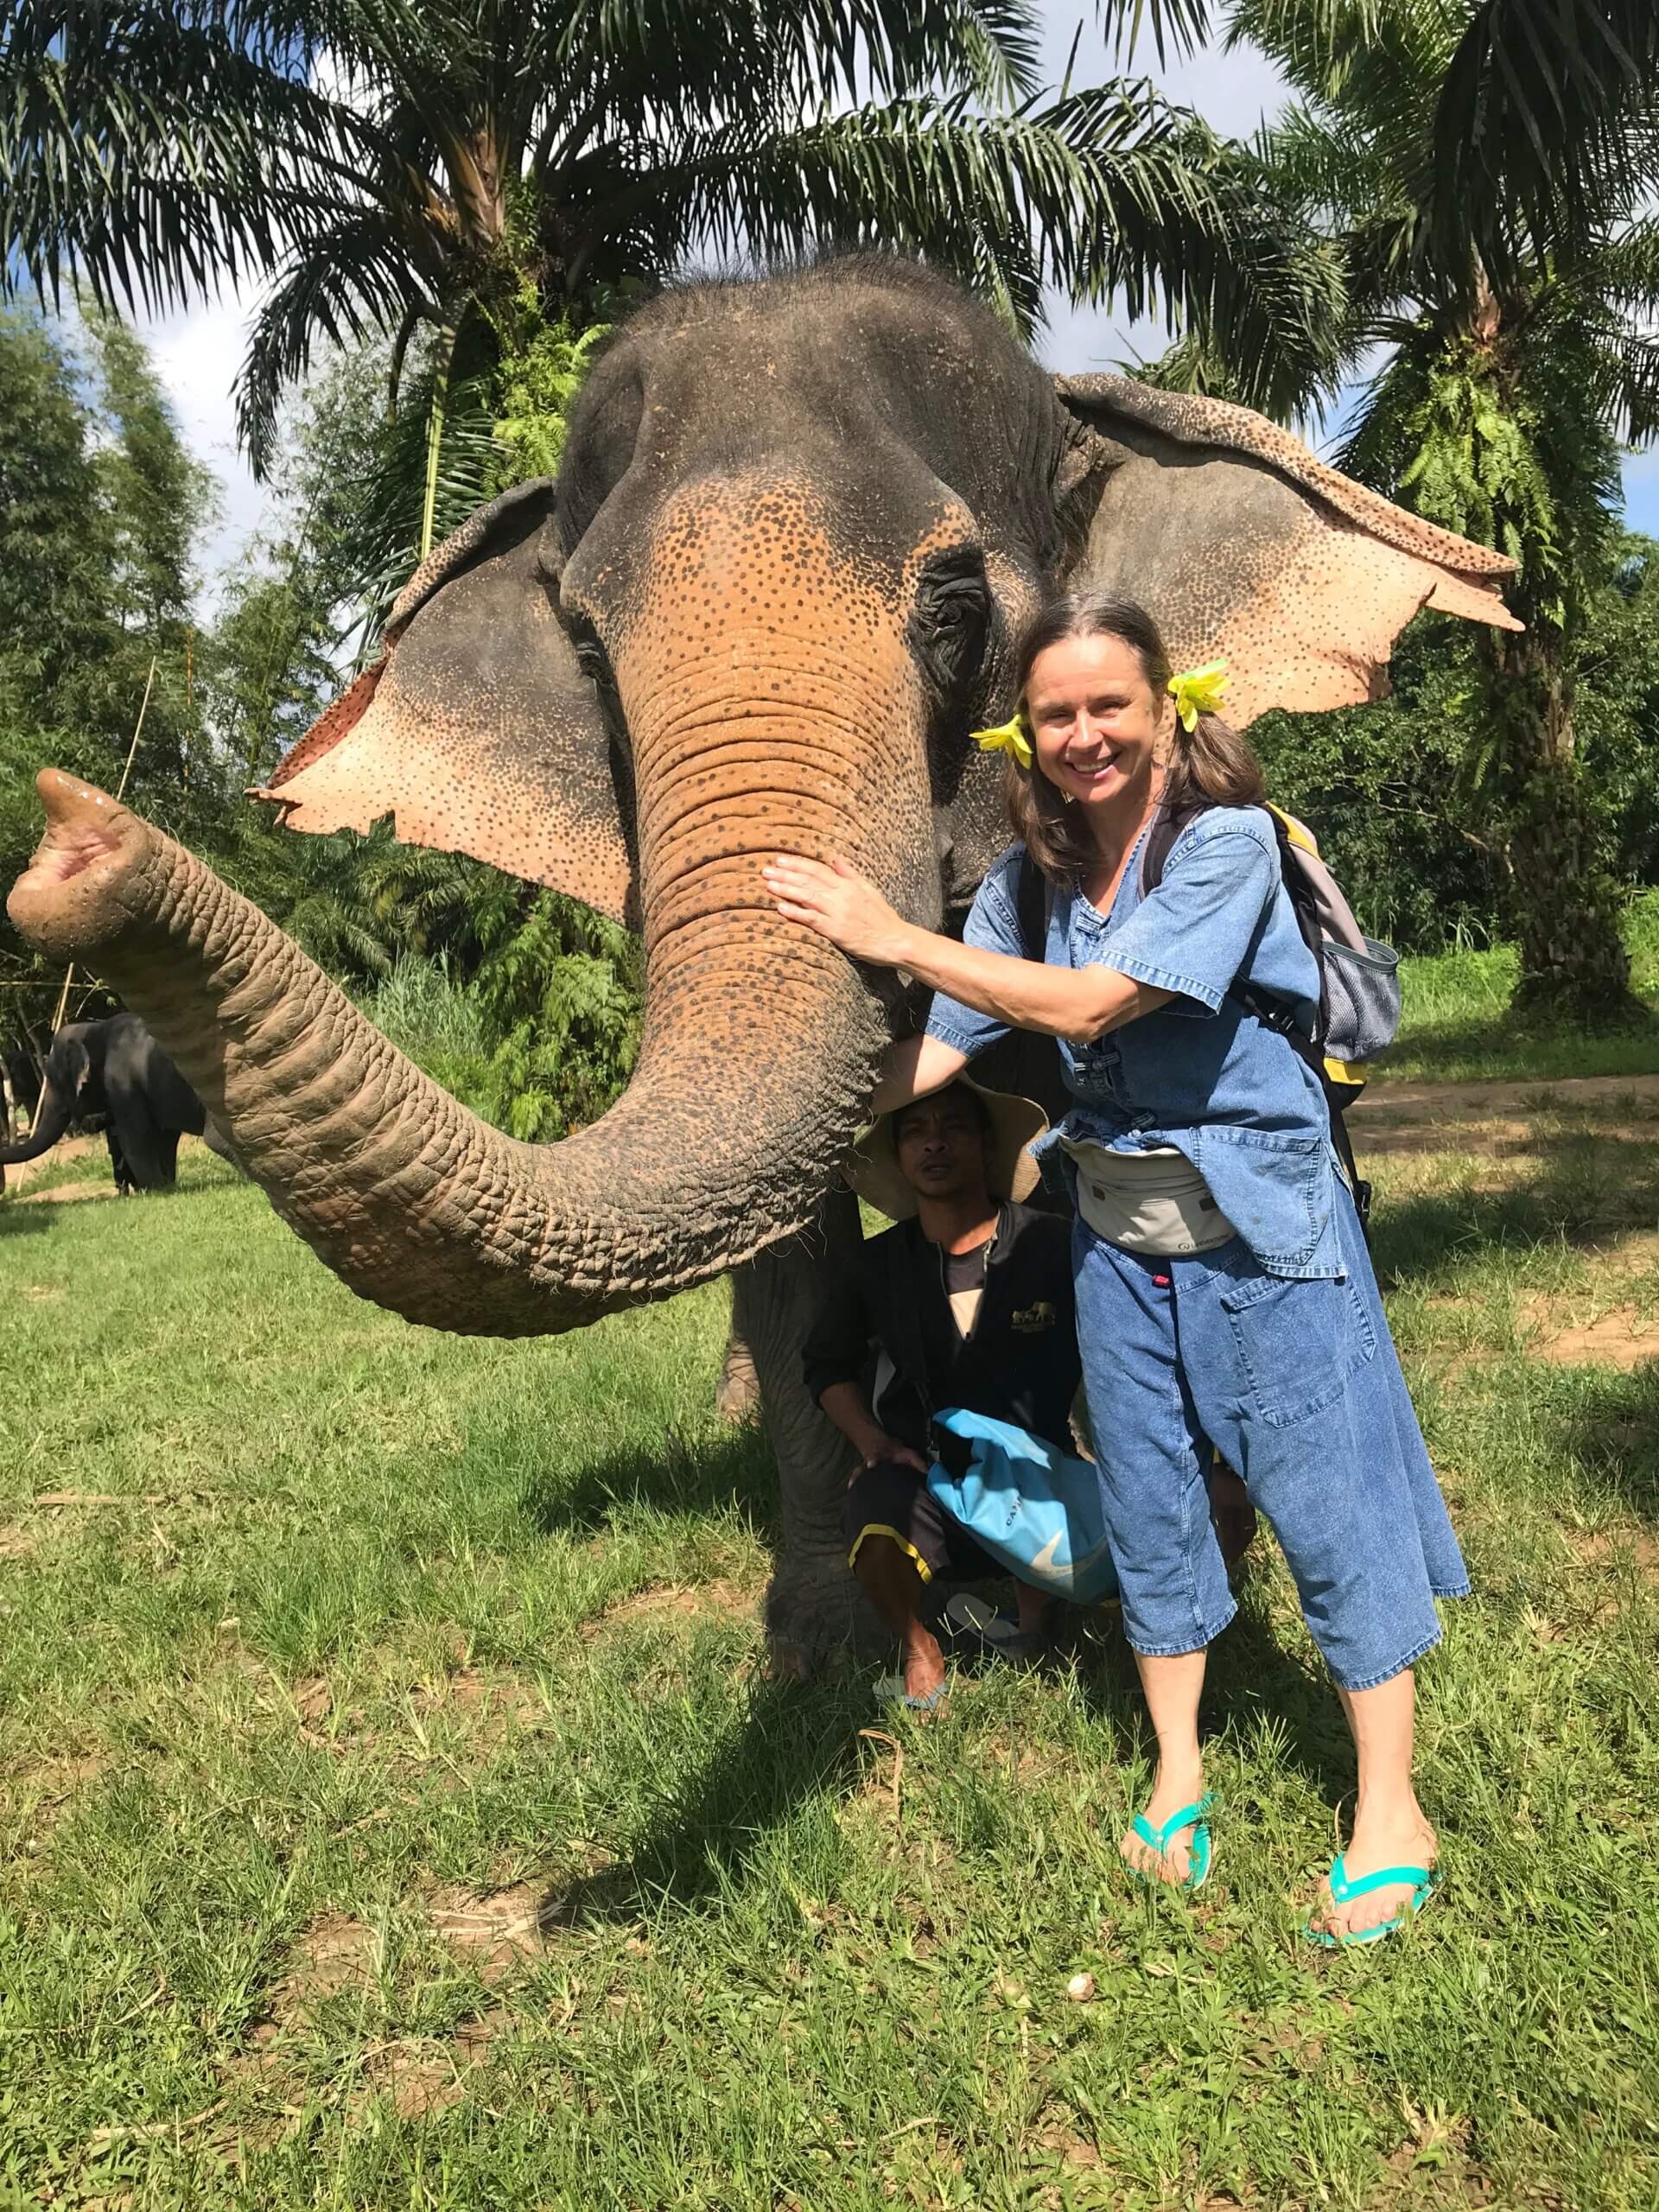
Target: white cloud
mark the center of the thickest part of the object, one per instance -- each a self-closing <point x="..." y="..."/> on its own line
<point x="197" y="353"/>
<point x="1641" y="492"/>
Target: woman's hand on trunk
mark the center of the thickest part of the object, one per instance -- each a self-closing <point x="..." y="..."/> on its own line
<point x="839" y="904"/>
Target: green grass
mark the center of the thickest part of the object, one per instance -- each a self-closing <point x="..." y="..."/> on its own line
<point x="384" y="1624"/>
<point x="1456" y="1025"/>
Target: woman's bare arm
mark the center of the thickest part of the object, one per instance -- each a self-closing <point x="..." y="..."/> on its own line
<point x="913" y="1068"/>
<point x="1084" y="1003"/>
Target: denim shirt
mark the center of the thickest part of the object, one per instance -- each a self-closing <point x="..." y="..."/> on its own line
<point x="1200" y="1073"/>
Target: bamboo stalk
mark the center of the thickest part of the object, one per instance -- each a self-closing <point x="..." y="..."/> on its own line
<point x="121" y="792"/>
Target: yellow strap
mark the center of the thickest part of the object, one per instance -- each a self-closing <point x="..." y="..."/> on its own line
<point x="880" y="1528"/>
<point x="1297" y="832"/>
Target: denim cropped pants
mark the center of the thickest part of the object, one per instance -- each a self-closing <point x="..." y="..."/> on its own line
<point x="1297" y="1385"/>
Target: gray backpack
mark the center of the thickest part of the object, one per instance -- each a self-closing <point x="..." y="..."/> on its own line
<point x="1358" y="1012"/>
<point x="1359" y="978"/>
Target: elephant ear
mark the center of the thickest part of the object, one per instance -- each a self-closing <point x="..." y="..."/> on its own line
<point x="476" y="730"/>
<point x="77" y="1066"/>
<point x="1244" y="545"/>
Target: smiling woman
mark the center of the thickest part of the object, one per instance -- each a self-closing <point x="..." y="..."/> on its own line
<point x="1095" y="714"/>
<point x="1238" y="1315"/>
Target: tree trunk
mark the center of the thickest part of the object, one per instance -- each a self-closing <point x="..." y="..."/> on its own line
<point x="1565" y="908"/>
<point x="814" y="1610"/>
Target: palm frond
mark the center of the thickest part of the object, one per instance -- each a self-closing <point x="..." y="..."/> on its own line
<point x="1639" y="392"/>
<point x="1107" y="193"/>
<point x="791" y="55"/>
<point x="352" y="281"/>
<point x="1626" y="269"/>
<point x="148" y="147"/>
<point x="380" y="547"/>
<point x="1176" y="26"/>
<point x="1544" y="123"/>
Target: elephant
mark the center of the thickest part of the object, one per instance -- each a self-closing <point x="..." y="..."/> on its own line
<point x="116" y="1068"/>
<point x="20" y="1085"/>
<point x="799" y="521"/>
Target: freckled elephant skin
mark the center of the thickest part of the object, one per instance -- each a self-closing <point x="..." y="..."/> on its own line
<point x="773" y="589"/>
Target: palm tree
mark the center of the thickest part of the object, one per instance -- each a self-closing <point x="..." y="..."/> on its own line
<point x="392" y="169"/>
<point x="1483" y="170"/>
<point x="1539" y="112"/>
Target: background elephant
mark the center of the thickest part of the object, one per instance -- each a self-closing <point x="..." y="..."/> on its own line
<point x="20" y="1085"/>
<point x="116" y="1069"/>
<point x="797" y="523"/>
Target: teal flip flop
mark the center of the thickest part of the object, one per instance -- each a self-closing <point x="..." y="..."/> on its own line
<point x="997" y="1634"/>
<point x="1194" y="1816"/>
<point x="890" y="1690"/>
<point x="1422" y="1879"/>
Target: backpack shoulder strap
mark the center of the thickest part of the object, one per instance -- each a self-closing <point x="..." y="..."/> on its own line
<point x="1166" y="827"/>
<point x="1033" y="902"/>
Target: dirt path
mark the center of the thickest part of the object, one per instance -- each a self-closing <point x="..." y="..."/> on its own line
<point x="19" y="1178"/>
<point x="1493" y="1117"/>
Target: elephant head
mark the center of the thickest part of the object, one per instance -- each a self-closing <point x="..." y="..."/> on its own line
<point x="73" y="1088"/>
<point x="773" y="587"/>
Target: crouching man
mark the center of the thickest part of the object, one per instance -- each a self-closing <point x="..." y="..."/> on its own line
<point x="966" y="1301"/>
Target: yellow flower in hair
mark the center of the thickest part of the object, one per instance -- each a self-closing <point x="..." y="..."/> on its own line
<point x="1013" y="736"/>
<point x="1198" y="691"/>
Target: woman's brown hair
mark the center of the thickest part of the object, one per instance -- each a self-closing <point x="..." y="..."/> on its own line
<point x="1211" y="765"/>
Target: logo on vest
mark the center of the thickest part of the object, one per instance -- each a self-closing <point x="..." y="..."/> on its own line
<point x="1032" y="1319"/>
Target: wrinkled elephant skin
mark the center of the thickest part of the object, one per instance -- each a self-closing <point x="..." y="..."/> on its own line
<point x="770" y="594"/>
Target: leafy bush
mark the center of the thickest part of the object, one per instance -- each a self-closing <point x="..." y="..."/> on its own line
<point x="522" y="1002"/>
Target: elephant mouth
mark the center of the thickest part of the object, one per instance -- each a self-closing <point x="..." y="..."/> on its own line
<point x="82" y="827"/>
<point x="78" y="884"/>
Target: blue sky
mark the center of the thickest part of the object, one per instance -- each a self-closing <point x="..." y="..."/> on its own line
<point x="198" y="353"/>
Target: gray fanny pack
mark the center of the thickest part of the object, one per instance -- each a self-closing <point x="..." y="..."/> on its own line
<point x="1152" y="1202"/>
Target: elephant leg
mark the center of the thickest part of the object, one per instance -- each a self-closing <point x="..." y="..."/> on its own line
<point x="814" y="1608"/>
<point x="737" y="1391"/>
<point x="150" y="1151"/>
<point x="119" y="1166"/>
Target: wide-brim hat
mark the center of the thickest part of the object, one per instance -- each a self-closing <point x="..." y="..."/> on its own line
<point x="1010" y="1171"/>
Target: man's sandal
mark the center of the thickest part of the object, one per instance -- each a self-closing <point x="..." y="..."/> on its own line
<point x="995" y="1633"/>
<point x="1201" y="1851"/>
<point x="890" y="1690"/>
<point x="1343" y="1891"/>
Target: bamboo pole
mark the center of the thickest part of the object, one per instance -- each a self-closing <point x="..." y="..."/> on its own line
<point x="121" y="792"/>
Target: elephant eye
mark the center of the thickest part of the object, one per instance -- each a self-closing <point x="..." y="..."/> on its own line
<point x="952" y="621"/>
<point x="591" y="656"/>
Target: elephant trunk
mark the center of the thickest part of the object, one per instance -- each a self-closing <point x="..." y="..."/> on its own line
<point x="723" y="1143"/>
<point x="52" y="1117"/>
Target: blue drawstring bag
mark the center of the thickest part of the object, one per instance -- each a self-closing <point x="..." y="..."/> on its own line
<point x="1034" y="1508"/>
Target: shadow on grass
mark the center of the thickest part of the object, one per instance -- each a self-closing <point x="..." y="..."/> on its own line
<point x="1593" y="1188"/>
<point x="790" y="1742"/>
<point x="1609" y="1422"/>
<point x="710" y="1477"/>
<point x="19" y="1220"/>
<point x="1501" y="1047"/>
<point x="94" y="1190"/>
